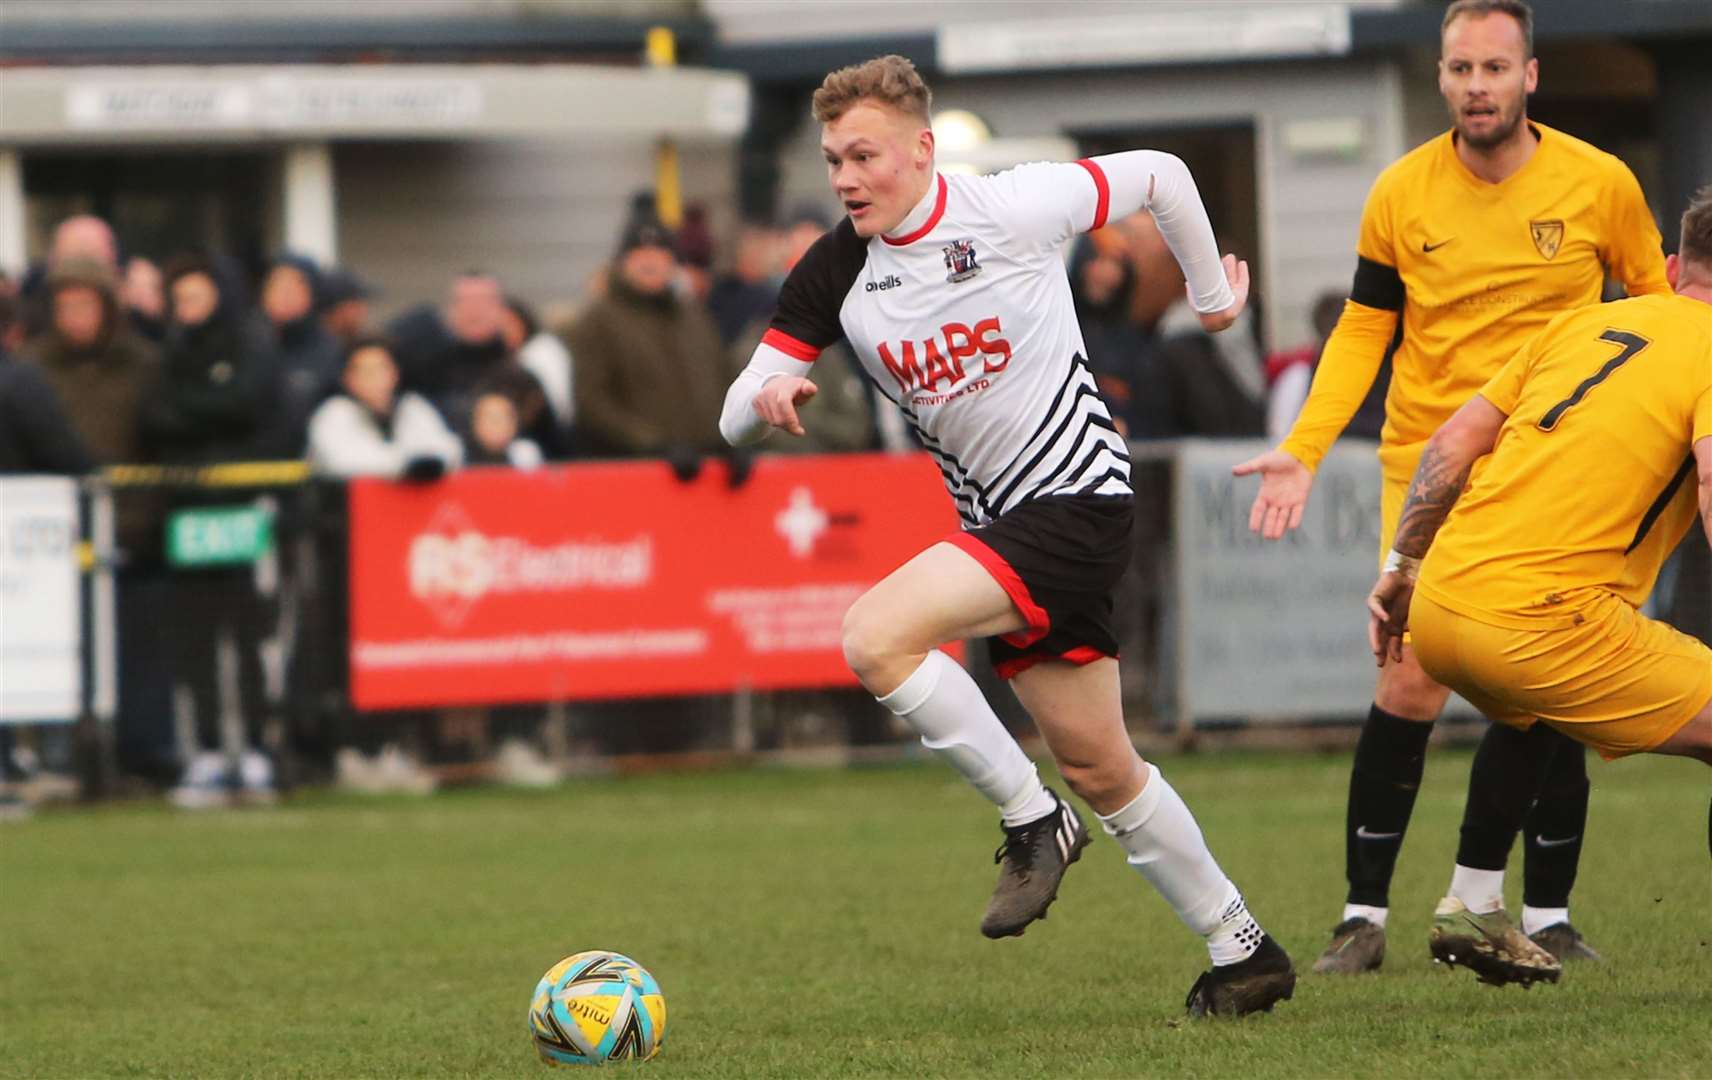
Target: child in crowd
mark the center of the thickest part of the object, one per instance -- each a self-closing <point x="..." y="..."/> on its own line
<point x="493" y="438"/>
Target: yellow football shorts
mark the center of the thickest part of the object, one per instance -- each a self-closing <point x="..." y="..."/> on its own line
<point x="1616" y="680"/>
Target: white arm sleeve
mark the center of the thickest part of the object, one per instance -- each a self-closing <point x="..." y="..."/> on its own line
<point x="1176" y="207"/>
<point x="1059" y="200"/>
<point x="738" y="421"/>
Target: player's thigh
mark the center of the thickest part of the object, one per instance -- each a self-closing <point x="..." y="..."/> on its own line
<point x="941" y="595"/>
<point x="1613" y="679"/>
<point x="1436" y="650"/>
<point x="1693" y="739"/>
<point x="1079" y="711"/>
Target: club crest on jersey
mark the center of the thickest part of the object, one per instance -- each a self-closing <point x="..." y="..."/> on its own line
<point x="960" y="262"/>
<point x="1548" y="235"/>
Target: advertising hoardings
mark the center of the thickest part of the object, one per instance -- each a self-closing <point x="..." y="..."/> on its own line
<point x="617" y="580"/>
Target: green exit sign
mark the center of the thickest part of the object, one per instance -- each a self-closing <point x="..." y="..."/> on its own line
<point x="218" y="536"/>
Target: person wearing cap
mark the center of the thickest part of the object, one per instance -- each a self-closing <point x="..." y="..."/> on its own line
<point x="99" y="368"/>
<point x="307" y="356"/>
<point x="651" y="371"/>
<point x="344" y="302"/>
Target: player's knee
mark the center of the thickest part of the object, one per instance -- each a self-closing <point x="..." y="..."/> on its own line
<point x="1097" y="783"/>
<point x="869" y="647"/>
<point x="1408" y="692"/>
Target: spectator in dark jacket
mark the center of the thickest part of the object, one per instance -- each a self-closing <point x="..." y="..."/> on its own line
<point x="651" y="372"/>
<point x="446" y="353"/>
<point x="1121" y="354"/>
<point x="749" y="291"/>
<point x="210" y="407"/>
<point x="217" y="379"/>
<point x="100" y="368"/>
<point x="35" y="434"/>
<point x="104" y="374"/>
<point x="344" y="299"/>
<point x="307" y="356"/>
<point x="1217" y="383"/>
<point x="35" y="437"/>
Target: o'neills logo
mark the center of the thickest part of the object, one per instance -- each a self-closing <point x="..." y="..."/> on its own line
<point x="453" y="565"/>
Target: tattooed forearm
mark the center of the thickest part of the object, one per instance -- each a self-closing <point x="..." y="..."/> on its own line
<point x="1437" y="484"/>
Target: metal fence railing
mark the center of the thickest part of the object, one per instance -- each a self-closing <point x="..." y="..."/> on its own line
<point x="214" y="607"/>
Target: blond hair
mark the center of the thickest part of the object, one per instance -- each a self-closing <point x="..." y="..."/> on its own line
<point x="885" y="80"/>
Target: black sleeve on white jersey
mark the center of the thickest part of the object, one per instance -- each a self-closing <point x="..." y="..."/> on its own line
<point x="807" y="317"/>
<point x="1376" y="285"/>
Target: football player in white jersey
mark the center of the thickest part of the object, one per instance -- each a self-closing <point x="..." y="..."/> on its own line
<point x="952" y="291"/>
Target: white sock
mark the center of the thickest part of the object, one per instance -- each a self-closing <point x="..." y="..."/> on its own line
<point x="1163" y="842"/>
<point x="1374" y="915"/>
<point x="946" y="708"/>
<point x="1481" y="891"/>
<point x="1535" y="919"/>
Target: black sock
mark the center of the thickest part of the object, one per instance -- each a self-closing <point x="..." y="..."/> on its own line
<point x="1552" y="831"/>
<point x="1382" y="786"/>
<point x="1505" y="779"/>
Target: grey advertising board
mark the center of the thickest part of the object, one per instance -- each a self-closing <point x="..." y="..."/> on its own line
<point x="1273" y="631"/>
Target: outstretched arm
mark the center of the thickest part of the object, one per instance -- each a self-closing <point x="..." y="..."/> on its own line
<point x="1449" y="457"/>
<point x="1347" y="367"/>
<point x="1345" y="373"/>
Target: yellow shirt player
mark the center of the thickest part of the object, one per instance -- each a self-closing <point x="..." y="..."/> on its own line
<point x="1599" y="433"/>
<point x="1474" y="240"/>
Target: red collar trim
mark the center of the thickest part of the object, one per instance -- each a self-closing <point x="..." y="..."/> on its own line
<point x="927" y="227"/>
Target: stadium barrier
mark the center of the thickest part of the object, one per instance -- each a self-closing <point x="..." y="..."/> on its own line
<point x="634" y="612"/>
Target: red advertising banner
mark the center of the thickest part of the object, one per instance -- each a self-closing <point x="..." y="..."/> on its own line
<point x="616" y="580"/>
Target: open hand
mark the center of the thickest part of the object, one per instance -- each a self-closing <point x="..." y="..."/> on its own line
<point x="1284" y="486"/>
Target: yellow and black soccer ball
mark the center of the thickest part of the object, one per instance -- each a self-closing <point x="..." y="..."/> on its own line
<point x="596" y="1007"/>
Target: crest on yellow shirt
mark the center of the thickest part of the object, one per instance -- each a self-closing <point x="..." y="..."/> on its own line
<point x="1548" y="235"/>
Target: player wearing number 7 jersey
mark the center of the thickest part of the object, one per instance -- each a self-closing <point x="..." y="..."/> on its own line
<point x="1527" y="601"/>
<point x="953" y="293"/>
<point x="1472" y="242"/>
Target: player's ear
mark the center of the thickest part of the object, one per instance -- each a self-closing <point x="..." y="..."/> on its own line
<point x="924" y="147"/>
<point x="1672" y="269"/>
<point x="1531" y="74"/>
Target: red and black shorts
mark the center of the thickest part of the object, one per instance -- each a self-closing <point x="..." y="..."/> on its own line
<point x="1060" y="558"/>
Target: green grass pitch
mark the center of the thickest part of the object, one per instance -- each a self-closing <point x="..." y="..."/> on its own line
<point x="807" y="923"/>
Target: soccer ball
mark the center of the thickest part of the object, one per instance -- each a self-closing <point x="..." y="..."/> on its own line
<point x="597" y="1007"/>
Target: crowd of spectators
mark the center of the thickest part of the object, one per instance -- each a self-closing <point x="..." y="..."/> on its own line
<point x="108" y="357"/>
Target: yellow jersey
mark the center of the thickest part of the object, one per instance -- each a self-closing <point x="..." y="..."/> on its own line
<point x="1591" y="483"/>
<point x="1474" y="269"/>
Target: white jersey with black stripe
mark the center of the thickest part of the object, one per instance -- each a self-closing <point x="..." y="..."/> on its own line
<point x="963" y="318"/>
